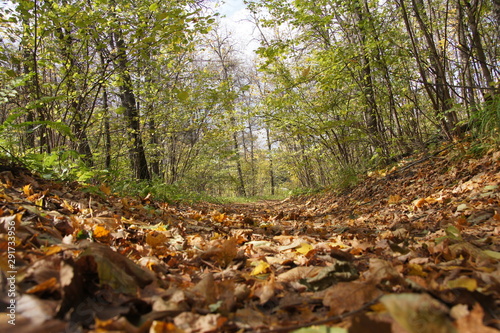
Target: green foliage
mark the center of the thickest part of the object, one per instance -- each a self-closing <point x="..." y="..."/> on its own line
<point x="337" y="90"/>
<point x="171" y="193"/>
<point x="486" y="119"/>
<point x="9" y="90"/>
<point x="251" y="199"/>
<point x="61" y="164"/>
<point x="299" y="191"/>
<point x="345" y="178"/>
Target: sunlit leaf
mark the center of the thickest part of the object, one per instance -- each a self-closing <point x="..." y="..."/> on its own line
<point x="28" y="190"/>
<point x="493" y="254"/>
<point x="304" y="248"/>
<point x="155" y="239"/>
<point x="394" y="199"/>
<point x="260" y="268"/>
<point x="101" y="233"/>
<point x="463" y="282"/>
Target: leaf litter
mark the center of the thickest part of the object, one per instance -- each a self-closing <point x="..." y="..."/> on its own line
<point x="414" y="249"/>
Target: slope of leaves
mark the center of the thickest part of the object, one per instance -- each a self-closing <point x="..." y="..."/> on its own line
<point x="412" y="250"/>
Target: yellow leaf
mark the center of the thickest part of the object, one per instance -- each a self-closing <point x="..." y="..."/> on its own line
<point x="160" y="227"/>
<point x="463" y="282"/>
<point x="155" y="239"/>
<point x="394" y="199"/>
<point x="68" y="206"/>
<point x="53" y="250"/>
<point x="260" y="268"/>
<point x="105" y="189"/>
<point x="28" y="190"/>
<point x="304" y="248"/>
<point x="219" y="217"/>
<point x="163" y="327"/>
<point x="417" y="270"/>
<point x="101" y="233"/>
<point x="431" y="200"/>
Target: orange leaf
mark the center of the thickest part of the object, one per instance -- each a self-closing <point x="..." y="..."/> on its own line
<point x="419" y="203"/>
<point x="471" y="321"/>
<point x="394" y="199"/>
<point x="219" y="217"/>
<point x="47" y="285"/>
<point x="28" y="190"/>
<point x="497" y="216"/>
<point x="101" y="233"/>
<point x="105" y="189"/>
<point x="155" y="239"/>
<point x="163" y="327"/>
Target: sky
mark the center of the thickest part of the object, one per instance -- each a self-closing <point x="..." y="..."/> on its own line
<point x="235" y="20"/>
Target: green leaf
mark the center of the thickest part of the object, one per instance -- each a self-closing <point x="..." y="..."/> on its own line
<point x="493" y="254"/>
<point x="182" y="95"/>
<point x="161" y="16"/>
<point x="453" y="233"/>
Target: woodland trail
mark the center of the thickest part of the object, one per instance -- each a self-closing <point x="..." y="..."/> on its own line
<point x="414" y="248"/>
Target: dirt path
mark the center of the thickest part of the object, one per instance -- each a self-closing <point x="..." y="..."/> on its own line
<point x="417" y="246"/>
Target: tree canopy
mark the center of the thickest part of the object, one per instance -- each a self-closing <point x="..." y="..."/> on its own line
<point x="157" y="91"/>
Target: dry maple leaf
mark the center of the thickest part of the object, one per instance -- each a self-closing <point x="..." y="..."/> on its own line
<point x="349" y="296"/>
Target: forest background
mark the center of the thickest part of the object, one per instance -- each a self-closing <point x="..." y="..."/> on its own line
<point x="155" y="97"/>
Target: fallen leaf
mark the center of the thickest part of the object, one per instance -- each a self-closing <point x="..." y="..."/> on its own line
<point x="297" y="273"/>
<point x="418" y="313"/>
<point x="264" y="291"/>
<point x="260" y="268"/>
<point x="117" y="271"/>
<point x="349" y="296"/>
<point x="463" y="282"/>
<point x="304" y="248"/>
<point x="394" y="199"/>
<point x="471" y="321"/>
<point x="192" y="322"/>
<point x="156" y="239"/>
<point x="321" y="329"/>
<point x="101" y="233"/>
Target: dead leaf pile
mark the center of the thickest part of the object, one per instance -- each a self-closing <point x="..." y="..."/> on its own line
<point x="412" y="250"/>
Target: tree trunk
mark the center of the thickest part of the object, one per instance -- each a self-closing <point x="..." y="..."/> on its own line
<point x="271" y="167"/>
<point x="137" y="153"/>
<point x="241" y="180"/>
<point x="473" y="15"/>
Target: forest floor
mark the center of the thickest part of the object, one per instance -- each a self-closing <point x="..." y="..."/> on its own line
<point x="411" y="249"/>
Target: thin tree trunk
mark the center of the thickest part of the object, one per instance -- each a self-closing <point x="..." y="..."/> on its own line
<point x="271" y="166"/>
<point x="107" y="130"/>
<point x="473" y="15"/>
<point x="137" y="153"/>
